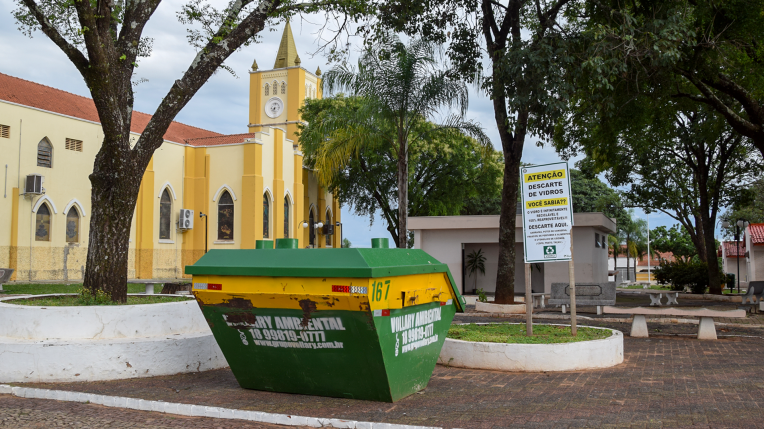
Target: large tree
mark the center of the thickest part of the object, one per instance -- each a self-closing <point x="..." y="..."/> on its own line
<point x="672" y="155"/>
<point x="104" y="39"/>
<point x="524" y="45"/>
<point x="446" y="169"/>
<point x="710" y="53"/>
<point x="402" y="88"/>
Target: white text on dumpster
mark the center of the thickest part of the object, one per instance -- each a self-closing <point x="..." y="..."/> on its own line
<point x="289" y="333"/>
<point x="417" y="329"/>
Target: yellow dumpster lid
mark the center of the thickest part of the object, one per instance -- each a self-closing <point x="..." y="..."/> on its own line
<point x="343" y="262"/>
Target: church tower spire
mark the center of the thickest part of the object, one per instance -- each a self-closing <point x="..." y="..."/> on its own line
<point x="287" y="50"/>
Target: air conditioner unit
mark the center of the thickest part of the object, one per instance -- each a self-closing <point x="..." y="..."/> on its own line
<point x="34" y="184"/>
<point x="327" y="229"/>
<point x="186" y="219"/>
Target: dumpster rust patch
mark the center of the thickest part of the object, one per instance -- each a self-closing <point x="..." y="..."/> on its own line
<point x="308" y="307"/>
<point x="240" y="303"/>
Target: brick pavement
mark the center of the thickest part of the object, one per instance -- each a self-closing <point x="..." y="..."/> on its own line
<point x="40" y="413"/>
<point x="663" y="382"/>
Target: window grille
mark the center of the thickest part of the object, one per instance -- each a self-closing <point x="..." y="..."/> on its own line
<point x="75" y="145"/>
<point x="328" y="227"/>
<point x="283" y="87"/>
<point x="267" y="89"/>
<point x="286" y="217"/>
<point x="44" y="154"/>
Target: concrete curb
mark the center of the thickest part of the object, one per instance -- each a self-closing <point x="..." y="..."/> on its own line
<point x="195" y="410"/>
<point x="602" y="319"/>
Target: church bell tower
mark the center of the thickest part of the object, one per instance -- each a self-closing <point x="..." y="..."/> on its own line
<point x="277" y="94"/>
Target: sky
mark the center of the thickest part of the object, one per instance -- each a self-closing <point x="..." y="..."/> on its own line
<point x="221" y="105"/>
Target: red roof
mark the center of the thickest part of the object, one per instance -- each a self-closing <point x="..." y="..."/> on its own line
<point x="220" y="139"/>
<point x="757" y="233"/>
<point x="730" y="249"/>
<point x="43" y="97"/>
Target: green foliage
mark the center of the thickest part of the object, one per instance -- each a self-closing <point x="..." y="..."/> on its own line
<point x="730" y="281"/>
<point x="346" y="243"/>
<point x="515" y="333"/>
<point x="446" y="168"/>
<point x="481" y="295"/>
<point x="750" y="207"/>
<point x="675" y="240"/>
<point x="401" y="88"/>
<point x="475" y="264"/>
<point x="683" y="275"/>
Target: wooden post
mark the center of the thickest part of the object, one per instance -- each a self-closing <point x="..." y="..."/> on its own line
<point x="572" y="288"/>
<point x="528" y="301"/>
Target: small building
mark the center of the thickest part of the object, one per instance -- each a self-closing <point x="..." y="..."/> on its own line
<point x="754" y="244"/>
<point x="734" y="260"/>
<point x="450" y="239"/>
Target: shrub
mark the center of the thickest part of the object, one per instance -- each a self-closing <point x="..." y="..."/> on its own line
<point x="730" y="281"/>
<point x="481" y="295"/>
<point x="683" y="275"/>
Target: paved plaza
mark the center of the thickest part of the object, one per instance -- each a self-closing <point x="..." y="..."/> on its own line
<point x="668" y="380"/>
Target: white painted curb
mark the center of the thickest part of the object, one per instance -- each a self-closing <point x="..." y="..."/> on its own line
<point x="581" y="355"/>
<point x="489" y="307"/>
<point x="196" y="410"/>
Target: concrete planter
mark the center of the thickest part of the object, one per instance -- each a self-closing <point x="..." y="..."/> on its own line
<point x="489" y="307"/>
<point x="602" y="353"/>
<point x="39" y="344"/>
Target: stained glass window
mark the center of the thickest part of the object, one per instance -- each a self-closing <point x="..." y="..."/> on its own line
<point x="165" y="216"/>
<point x="266" y="216"/>
<point x="72" y="226"/>
<point x="42" y="224"/>
<point x="225" y="217"/>
<point x="328" y="223"/>
<point x="311" y="229"/>
<point x="286" y="217"/>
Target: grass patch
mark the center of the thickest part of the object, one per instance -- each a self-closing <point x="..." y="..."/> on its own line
<point x="44" y="289"/>
<point x="515" y="334"/>
<point x="77" y="300"/>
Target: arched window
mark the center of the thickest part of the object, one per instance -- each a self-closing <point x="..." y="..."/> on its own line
<point x="275" y="87"/>
<point x="311" y="229"/>
<point x="286" y="217"/>
<point x="165" y="215"/>
<point x="307" y="91"/>
<point x="267" y="89"/>
<point x="328" y="222"/>
<point x="225" y="217"/>
<point x="73" y="226"/>
<point x="266" y="216"/>
<point x="283" y="87"/>
<point x="42" y="224"/>
<point x="44" y="154"/>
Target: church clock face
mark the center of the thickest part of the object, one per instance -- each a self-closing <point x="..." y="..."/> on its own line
<point x="274" y="107"/>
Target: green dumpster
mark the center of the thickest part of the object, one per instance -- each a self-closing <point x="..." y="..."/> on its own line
<point x="355" y="323"/>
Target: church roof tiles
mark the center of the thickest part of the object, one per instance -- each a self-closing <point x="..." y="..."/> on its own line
<point x="31" y="94"/>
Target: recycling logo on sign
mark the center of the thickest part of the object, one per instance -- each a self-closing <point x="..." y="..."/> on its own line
<point x="550" y="252"/>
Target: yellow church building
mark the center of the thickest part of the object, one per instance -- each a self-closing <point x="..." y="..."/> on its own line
<point x="249" y="187"/>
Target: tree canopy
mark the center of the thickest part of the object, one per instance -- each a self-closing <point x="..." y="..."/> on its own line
<point x="675" y="240"/>
<point x="446" y="168"/>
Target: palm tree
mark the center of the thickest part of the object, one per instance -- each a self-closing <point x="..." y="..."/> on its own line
<point x="475" y="263"/>
<point x="635" y="231"/>
<point x="402" y="88"/>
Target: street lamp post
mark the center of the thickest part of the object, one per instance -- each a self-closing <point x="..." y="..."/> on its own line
<point x="741" y="223"/>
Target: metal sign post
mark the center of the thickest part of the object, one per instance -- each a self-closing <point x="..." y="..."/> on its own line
<point x="528" y="302"/>
<point x="547" y="223"/>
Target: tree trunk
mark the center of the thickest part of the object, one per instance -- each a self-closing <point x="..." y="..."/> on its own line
<point x="403" y="194"/>
<point x="505" y="276"/>
<point x="114" y="194"/>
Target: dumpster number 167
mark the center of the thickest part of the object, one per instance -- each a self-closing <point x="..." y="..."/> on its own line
<point x="376" y="290"/>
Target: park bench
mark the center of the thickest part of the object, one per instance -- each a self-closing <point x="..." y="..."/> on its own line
<point x="149" y="284"/>
<point x="657" y="295"/>
<point x="754" y="292"/>
<point x="5" y="275"/>
<point x="597" y="294"/>
<point x="706" y="328"/>
<point x="537" y="297"/>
